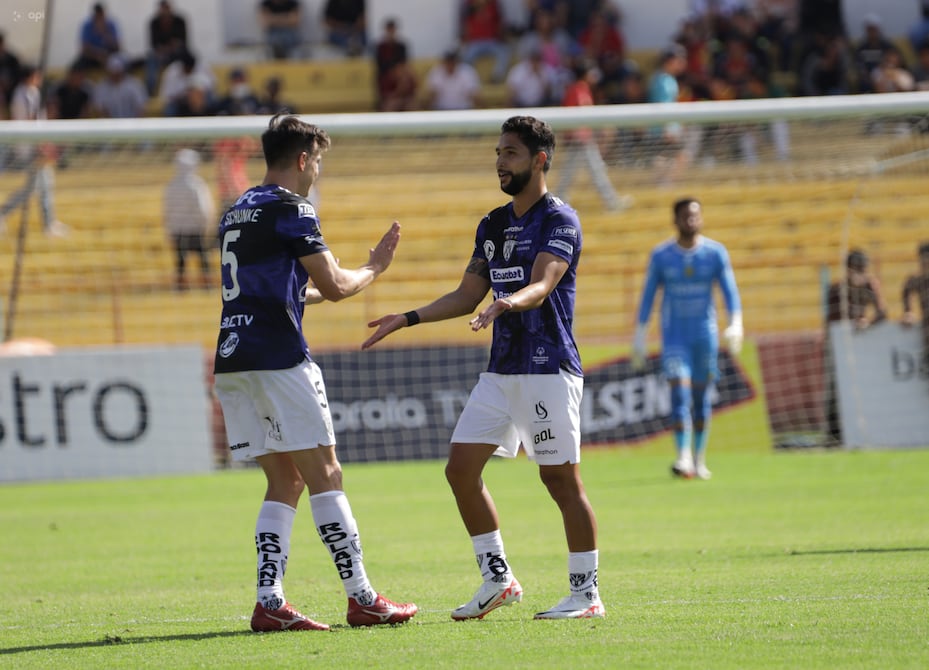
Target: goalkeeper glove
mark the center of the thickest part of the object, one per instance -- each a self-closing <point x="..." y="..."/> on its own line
<point x="733" y="334"/>
<point x="638" y="348"/>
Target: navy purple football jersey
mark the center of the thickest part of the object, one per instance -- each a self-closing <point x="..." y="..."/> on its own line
<point x="262" y="236"/>
<point x="541" y="340"/>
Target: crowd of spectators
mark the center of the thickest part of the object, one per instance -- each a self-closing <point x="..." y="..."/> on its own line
<point x="726" y="49"/>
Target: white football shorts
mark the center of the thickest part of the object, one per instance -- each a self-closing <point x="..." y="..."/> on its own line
<point x="271" y="411"/>
<point x="540" y="412"/>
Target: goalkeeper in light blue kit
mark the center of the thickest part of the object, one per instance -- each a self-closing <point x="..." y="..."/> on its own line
<point x="686" y="268"/>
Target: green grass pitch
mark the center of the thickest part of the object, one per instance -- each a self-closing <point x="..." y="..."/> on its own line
<point x="812" y="560"/>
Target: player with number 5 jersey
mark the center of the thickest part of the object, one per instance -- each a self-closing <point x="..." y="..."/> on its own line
<point x="273" y="397"/>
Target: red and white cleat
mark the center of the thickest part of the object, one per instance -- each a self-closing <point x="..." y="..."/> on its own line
<point x="283" y="618"/>
<point x="381" y="611"/>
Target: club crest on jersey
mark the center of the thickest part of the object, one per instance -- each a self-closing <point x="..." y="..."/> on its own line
<point x="489" y="249"/>
<point x="508" y="247"/>
<point x="229" y="344"/>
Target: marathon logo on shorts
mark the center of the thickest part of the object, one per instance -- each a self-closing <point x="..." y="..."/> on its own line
<point x="239" y="445"/>
<point x="507" y="274"/>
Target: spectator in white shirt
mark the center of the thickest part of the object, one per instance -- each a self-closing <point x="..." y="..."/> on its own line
<point x="119" y="95"/>
<point x="453" y="84"/>
<point x="531" y="82"/>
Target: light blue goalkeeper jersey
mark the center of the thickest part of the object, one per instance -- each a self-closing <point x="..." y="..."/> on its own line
<point x="686" y="277"/>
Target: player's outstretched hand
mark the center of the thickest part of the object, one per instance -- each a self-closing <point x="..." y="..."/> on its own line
<point x="382" y="255"/>
<point x="487" y="316"/>
<point x="385" y="326"/>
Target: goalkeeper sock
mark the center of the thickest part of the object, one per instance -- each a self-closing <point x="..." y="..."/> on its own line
<point x="702" y="410"/>
<point x="491" y="558"/>
<point x="700" y="439"/>
<point x="272" y="540"/>
<point x="582" y="574"/>
<point x="682" y="444"/>
<point x="337" y="529"/>
<point x="680" y="414"/>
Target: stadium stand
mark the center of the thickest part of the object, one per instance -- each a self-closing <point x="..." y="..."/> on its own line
<point x="782" y="234"/>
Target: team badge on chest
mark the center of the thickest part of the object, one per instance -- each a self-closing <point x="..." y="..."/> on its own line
<point x="508" y="247"/>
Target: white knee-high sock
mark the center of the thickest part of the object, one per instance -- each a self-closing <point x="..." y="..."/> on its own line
<point x="337" y="529"/>
<point x="491" y="558"/>
<point x="582" y="574"/>
<point x="272" y="540"/>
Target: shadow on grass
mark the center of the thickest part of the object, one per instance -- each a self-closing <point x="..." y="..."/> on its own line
<point x="114" y="640"/>
<point x="857" y="550"/>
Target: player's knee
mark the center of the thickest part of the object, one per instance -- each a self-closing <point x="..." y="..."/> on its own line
<point x="458" y="476"/>
<point x="286" y="489"/>
<point x="562" y="484"/>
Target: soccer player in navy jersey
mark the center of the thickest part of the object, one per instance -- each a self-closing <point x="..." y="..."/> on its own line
<point x="272" y="393"/>
<point x="686" y="269"/>
<point x="525" y="253"/>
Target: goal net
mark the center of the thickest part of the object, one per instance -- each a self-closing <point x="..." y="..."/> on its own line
<point x="788" y="185"/>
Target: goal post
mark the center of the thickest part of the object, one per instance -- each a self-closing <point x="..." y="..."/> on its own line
<point x="789" y="185"/>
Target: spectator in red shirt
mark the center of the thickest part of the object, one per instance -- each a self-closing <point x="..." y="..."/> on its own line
<point x="601" y="40"/>
<point x="581" y="145"/>
<point x="482" y="34"/>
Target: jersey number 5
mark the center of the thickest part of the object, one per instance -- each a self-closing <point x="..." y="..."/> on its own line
<point x="228" y="258"/>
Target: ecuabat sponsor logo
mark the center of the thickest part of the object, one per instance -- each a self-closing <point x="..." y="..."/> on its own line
<point x="507" y="274"/>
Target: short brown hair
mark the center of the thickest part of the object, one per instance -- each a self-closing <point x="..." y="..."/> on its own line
<point x="287" y="137"/>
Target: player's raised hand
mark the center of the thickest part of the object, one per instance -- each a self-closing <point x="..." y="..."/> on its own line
<point x="382" y="255"/>
<point x="385" y="326"/>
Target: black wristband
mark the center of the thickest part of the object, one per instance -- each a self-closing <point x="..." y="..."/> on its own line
<point x="412" y="318"/>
